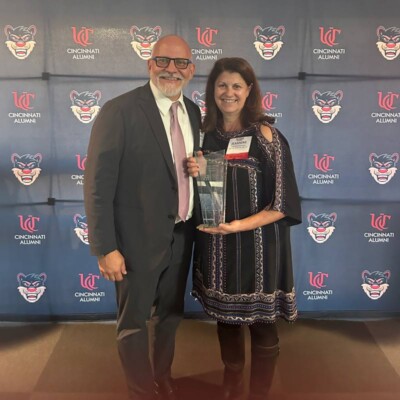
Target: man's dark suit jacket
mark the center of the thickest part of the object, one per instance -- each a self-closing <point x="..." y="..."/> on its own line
<point x="130" y="190"/>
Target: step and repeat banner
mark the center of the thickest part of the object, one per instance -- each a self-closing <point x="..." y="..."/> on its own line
<point x="329" y="74"/>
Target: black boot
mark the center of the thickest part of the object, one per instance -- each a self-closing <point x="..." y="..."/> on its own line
<point x="231" y="339"/>
<point x="264" y="354"/>
<point x="263" y="361"/>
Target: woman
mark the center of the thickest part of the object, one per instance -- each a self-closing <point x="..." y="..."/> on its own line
<point x="242" y="268"/>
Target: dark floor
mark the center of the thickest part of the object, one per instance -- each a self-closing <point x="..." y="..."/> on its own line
<point x="319" y="359"/>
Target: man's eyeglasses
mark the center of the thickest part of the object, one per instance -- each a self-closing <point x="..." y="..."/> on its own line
<point x="163" y="62"/>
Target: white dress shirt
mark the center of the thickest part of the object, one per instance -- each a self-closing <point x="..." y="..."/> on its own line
<point x="164" y="105"/>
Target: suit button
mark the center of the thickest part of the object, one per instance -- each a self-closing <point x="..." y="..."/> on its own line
<point x="170" y="216"/>
<point x="175" y="189"/>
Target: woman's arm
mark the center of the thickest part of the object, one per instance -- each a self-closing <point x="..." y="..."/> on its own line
<point x="262" y="218"/>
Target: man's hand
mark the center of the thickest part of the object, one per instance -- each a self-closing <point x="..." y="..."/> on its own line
<point x="112" y="266"/>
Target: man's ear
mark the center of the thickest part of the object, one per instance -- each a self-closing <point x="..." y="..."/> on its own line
<point x="192" y="69"/>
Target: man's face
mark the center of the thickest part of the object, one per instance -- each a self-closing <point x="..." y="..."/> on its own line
<point x="170" y="80"/>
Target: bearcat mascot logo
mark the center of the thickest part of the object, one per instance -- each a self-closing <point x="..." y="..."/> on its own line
<point x="144" y="39"/>
<point x="200" y="100"/>
<point x="383" y="167"/>
<point x="375" y="283"/>
<point x="31" y="287"/>
<point x="20" y="40"/>
<point x="326" y="105"/>
<point x="85" y="105"/>
<point x="268" y="41"/>
<point x="388" y="42"/>
<point x="26" y="168"/>
<point x="321" y="226"/>
<point x="81" y="228"/>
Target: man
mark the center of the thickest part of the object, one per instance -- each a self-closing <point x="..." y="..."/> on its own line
<point x="131" y="199"/>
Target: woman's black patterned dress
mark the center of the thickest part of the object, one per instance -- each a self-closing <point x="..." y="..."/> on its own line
<point x="247" y="277"/>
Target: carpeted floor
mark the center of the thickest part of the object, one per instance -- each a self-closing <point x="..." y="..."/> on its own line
<point x="319" y="360"/>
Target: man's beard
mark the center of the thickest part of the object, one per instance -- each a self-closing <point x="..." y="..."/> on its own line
<point x="167" y="88"/>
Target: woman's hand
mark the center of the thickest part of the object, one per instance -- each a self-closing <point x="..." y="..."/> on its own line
<point x="264" y="217"/>
<point x="196" y="165"/>
<point x="222" y="229"/>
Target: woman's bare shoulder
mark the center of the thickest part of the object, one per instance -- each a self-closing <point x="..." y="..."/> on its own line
<point x="266" y="132"/>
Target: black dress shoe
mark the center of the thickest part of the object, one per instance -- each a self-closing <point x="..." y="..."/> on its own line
<point x="166" y="390"/>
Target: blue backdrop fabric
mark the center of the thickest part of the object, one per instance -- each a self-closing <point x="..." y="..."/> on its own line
<point x="329" y="73"/>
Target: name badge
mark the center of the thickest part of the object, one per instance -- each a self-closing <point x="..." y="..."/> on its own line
<point x="238" y="148"/>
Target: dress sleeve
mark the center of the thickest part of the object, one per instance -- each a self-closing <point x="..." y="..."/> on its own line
<point x="286" y="197"/>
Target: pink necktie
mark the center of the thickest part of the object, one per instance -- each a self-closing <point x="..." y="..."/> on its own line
<point x="179" y="149"/>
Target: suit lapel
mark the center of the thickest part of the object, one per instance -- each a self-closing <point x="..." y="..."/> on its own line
<point x="194" y="122"/>
<point x="150" y="109"/>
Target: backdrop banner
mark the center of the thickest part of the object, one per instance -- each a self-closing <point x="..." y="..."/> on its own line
<point x="329" y="74"/>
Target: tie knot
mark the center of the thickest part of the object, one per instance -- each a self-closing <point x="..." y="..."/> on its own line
<point x="174" y="107"/>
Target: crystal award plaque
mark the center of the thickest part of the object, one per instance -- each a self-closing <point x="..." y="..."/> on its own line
<point x="211" y="184"/>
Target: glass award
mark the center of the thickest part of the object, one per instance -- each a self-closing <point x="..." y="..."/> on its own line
<point x="211" y="184"/>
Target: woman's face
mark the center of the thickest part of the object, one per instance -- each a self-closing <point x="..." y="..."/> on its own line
<point x="230" y="93"/>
